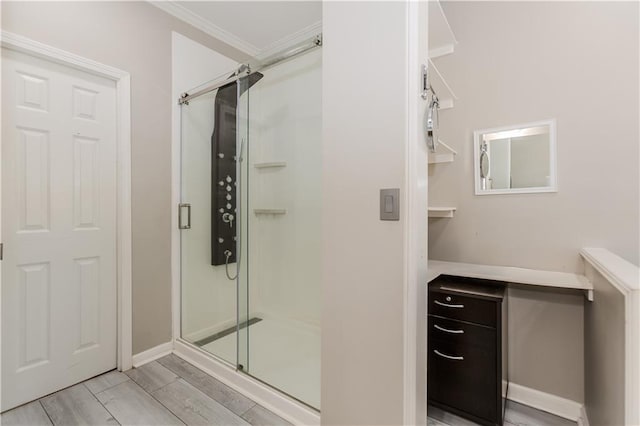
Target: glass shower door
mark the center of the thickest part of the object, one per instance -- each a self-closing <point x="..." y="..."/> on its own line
<point x="280" y="121"/>
<point x="251" y="216"/>
<point x="208" y="210"/>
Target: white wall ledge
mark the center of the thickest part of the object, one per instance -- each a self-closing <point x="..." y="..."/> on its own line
<point x="511" y="274"/>
<point x="624" y="275"/>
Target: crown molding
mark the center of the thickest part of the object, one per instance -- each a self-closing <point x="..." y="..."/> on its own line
<point x="291" y="40"/>
<point x="174" y="8"/>
<point x="34" y="48"/>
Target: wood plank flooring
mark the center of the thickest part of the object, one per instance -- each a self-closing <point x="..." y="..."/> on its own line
<point x="515" y="415"/>
<point x="76" y="405"/>
<point x="169" y="391"/>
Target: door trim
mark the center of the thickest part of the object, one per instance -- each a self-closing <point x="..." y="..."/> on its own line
<point x="122" y="79"/>
<point x="415" y="217"/>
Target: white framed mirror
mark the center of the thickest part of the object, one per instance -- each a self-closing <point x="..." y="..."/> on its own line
<point x="516" y="159"/>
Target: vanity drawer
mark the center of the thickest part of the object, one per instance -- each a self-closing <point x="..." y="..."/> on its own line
<point x="463" y="379"/>
<point x="461" y="334"/>
<point x="466" y="347"/>
<point x="464" y="308"/>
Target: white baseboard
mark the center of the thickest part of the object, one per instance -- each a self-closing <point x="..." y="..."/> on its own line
<point x="553" y="404"/>
<point x="152" y="354"/>
<point x="583" y="420"/>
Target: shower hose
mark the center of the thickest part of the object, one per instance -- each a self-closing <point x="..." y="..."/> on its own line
<point x="227" y="255"/>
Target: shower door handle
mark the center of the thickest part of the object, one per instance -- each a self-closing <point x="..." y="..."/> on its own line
<point x="181" y="207"/>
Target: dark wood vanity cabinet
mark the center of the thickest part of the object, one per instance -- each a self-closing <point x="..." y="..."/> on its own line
<point x="467" y="336"/>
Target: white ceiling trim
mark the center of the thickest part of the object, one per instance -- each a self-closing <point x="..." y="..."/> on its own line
<point x="173" y="8"/>
<point x="292" y="39"/>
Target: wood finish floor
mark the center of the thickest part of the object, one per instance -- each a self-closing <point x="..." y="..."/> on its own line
<point x="170" y="391"/>
<point x="515" y="415"/>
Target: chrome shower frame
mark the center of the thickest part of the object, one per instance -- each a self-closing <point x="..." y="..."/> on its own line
<point x="255" y="65"/>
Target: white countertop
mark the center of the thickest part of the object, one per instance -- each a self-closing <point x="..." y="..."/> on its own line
<point x="510" y="274"/>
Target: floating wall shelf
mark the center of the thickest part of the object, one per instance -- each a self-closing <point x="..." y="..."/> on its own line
<point x="269" y="165"/>
<point x="444" y="154"/>
<point x="442" y="41"/>
<point x="445" y="93"/>
<point x="446" y="103"/>
<point x="270" y="211"/>
<point x="441" y="211"/>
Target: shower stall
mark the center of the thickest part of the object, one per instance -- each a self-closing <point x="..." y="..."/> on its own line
<point x="250" y="220"/>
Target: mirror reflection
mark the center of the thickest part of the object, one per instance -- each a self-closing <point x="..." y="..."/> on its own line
<point x="515" y="159"/>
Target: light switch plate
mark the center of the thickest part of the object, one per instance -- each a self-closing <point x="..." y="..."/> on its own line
<point x="390" y="204"/>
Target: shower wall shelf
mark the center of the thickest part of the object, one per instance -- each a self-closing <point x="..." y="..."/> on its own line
<point x="270" y="165"/>
<point x="444" y="154"/>
<point x="441" y="212"/>
<point x="269" y="211"/>
<point x="442" y="41"/>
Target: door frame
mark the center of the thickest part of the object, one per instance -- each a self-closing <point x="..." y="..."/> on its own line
<point x="122" y="80"/>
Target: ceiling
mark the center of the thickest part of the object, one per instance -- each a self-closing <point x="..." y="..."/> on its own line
<point x="255" y="27"/>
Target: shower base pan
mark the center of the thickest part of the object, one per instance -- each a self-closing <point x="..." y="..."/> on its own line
<point x="283" y="353"/>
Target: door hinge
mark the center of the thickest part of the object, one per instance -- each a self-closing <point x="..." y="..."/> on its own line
<point x="1" y="251"/>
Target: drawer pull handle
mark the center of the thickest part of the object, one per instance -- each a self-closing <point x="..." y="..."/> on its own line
<point x="447" y="305"/>
<point x="455" y="358"/>
<point x="446" y="330"/>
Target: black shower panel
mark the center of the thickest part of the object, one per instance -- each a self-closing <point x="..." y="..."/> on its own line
<point x="223" y="172"/>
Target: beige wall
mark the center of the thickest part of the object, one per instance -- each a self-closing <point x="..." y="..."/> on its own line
<point x="546" y="350"/>
<point x="604" y="338"/>
<point x="518" y="62"/>
<point x="524" y="61"/>
<point x="135" y="37"/>
<point x="365" y="148"/>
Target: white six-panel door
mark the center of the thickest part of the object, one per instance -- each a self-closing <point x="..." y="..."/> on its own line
<point x="58" y="227"/>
